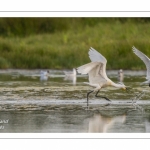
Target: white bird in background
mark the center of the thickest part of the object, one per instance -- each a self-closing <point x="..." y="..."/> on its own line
<point x="97" y="73"/>
<point x="146" y="60"/>
<point x="71" y="76"/>
<point x="120" y="75"/>
<point x="44" y="75"/>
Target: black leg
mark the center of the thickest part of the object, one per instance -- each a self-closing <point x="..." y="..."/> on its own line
<point x="88" y="96"/>
<point x="149" y="84"/>
<point x="101" y="96"/>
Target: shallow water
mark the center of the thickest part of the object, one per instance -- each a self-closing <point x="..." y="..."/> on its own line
<point x="58" y="104"/>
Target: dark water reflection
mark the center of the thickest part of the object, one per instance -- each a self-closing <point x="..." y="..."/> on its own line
<point x="29" y="104"/>
<point x="74" y="121"/>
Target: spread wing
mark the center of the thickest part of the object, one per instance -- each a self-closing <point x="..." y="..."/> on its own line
<point x="145" y="59"/>
<point x="96" y="75"/>
<point x="97" y="57"/>
<point x="95" y="70"/>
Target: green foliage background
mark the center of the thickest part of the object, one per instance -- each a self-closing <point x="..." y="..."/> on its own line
<point x="63" y="43"/>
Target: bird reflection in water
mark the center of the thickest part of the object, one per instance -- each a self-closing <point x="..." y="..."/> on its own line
<point x="147" y="125"/>
<point x="71" y="76"/>
<point x="101" y="124"/>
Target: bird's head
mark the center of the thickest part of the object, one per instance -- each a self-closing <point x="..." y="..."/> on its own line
<point x="126" y="88"/>
<point x="122" y="86"/>
<point x="120" y="71"/>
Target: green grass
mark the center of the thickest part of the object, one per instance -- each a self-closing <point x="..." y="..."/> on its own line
<point x="68" y="48"/>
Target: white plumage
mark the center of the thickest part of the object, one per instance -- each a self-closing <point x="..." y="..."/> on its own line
<point x="120" y="75"/>
<point x="146" y="61"/>
<point x="97" y="72"/>
<point x="70" y="74"/>
<point x="44" y="75"/>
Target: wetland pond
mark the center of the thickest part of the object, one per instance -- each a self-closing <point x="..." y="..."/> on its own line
<point x="29" y="104"/>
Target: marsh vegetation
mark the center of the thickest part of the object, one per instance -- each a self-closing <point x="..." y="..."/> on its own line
<point x="63" y="43"/>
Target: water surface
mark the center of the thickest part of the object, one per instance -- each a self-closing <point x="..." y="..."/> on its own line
<point x="58" y="104"/>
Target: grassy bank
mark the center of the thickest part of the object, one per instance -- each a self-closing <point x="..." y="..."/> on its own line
<point x="68" y="48"/>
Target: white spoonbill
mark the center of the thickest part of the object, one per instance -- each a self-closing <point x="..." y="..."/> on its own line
<point x="44" y="75"/>
<point x="97" y="73"/>
<point x="70" y="74"/>
<point x="146" y="60"/>
<point x="120" y="75"/>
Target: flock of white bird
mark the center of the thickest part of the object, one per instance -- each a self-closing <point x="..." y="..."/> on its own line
<point x="96" y="71"/>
